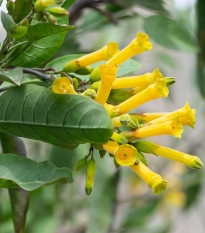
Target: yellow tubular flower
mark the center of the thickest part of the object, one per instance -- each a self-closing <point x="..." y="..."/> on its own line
<point x="125" y="155"/>
<point x="152" y="179"/>
<point x="173" y="127"/>
<point x="63" y="86"/>
<point x="137" y="81"/>
<point x="119" y="138"/>
<point x="111" y="147"/>
<point x="147" y="117"/>
<point x="108" y="75"/>
<point x="102" y="54"/>
<point x="185" y="114"/>
<point x="150" y="147"/>
<point x="137" y="46"/>
<point x="153" y="91"/>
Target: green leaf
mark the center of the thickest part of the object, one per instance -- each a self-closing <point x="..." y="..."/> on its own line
<point x="1" y="2"/>
<point x="127" y="67"/>
<point x="41" y="30"/>
<point x="70" y="3"/>
<point x="17" y="171"/>
<point x="35" y="112"/>
<point x="170" y="33"/>
<point x="42" y="50"/>
<point x="13" y="29"/>
<point x="13" y="76"/>
<point x="21" y="9"/>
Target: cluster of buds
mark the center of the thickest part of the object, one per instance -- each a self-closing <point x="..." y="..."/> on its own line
<point x="125" y="146"/>
<point x="49" y="9"/>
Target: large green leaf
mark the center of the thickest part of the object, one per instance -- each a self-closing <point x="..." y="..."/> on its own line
<point x="170" y="33"/>
<point x="35" y="112"/>
<point x="42" y="50"/>
<point x="17" y="171"/>
<point x="13" y="76"/>
<point x="41" y="30"/>
<point x="21" y="9"/>
<point x="127" y="67"/>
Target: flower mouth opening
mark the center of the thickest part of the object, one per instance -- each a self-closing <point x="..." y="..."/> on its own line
<point x="177" y="127"/>
<point x="126" y="155"/>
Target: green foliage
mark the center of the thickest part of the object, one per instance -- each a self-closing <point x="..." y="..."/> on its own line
<point x="22" y="172"/>
<point x="42" y="30"/>
<point x="30" y="111"/>
<point x="170" y="33"/>
<point x="42" y="50"/>
<point x="13" y="76"/>
<point x="21" y="9"/>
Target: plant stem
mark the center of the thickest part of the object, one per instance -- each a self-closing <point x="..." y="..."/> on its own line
<point x="38" y="74"/>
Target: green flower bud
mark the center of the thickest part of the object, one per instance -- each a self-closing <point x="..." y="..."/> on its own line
<point x="71" y="66"/>
<point x="75" y="82"/>
<point x="10" y="6"/>
<point x="90" y="175"/>
<point x="25" y="23"/>
<point x="169" y="81"/>
<point x="41" y="5"/>
<point x="52" y="19"/>
<point x="84" y="70"/>
<point x="95" y="75"/>
<point x="81" y="164"/>
<point x="57" y="11"/>
<point x="95" y="85"/>
<point x="102" y="153"/>
<point x="90" y="93"/>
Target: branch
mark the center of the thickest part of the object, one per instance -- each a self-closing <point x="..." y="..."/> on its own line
<point x="38" y="74"/>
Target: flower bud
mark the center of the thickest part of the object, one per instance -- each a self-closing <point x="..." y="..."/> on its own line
<point x="10" y="6"/>
<point x="41" y="5"/>
<point x="119" y="138"/>
<point x="52" y="19"/>
<point x="57" y="11"/>
<point x="84" y="70"/>
<point x="90" y="175"/>
<point x="81" y="164"/>
<point x="90" y="93"/>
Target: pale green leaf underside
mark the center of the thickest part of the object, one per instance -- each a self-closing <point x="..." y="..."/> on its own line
<point x="35" y="112"/>
<point x="17" y="171"/>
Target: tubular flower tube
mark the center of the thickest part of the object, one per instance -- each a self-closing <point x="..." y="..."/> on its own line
<point x="186" y="116"/>
<point x="173" y="127"/>
<point x="108" y="75"/>
<point x="102" y="54"/>
<point x="63" y="86"/>
<point x="152" y="179"/>
<point x="137" y="81"/>
<point x="153" y="91"/>
<point x="139" y="45"/>
<point x="125" y="155"/>
<point x="150" y="147"/>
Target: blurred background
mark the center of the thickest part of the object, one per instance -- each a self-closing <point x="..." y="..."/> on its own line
<point x="120" y="201"/>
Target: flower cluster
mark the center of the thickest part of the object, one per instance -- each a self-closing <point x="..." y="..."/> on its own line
<point x="129" y="93"/>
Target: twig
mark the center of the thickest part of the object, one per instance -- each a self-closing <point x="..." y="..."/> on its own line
<point x="38" y="74"/>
